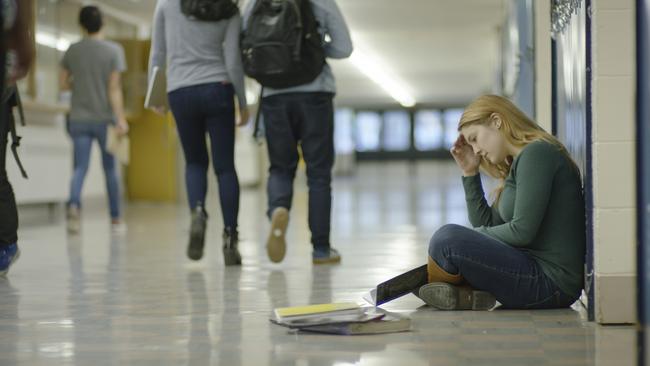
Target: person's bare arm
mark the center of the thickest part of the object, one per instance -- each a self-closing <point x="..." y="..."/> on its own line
<point x="117" y="101"/>
<point x="64" y="80"/>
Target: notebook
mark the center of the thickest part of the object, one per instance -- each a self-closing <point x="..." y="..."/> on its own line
<point x="330" y="318"/>
<point x="314" y="311"/>
<point x="118" y="145"/>
<point x="157" y="89"/>
<point x="389" y="323"/>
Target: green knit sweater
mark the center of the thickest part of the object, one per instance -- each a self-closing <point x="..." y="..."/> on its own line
<point x="540" y="211"/>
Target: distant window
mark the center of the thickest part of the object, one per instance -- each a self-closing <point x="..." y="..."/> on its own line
<point x="428" y="130"/>
<point x="451" y="117"/>
<point x="397" y="131"/>
<point x="368" y="129"/>
<point x="343" y="131"/>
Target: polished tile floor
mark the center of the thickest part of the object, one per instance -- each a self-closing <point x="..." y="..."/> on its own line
<point x="134" y="299"/>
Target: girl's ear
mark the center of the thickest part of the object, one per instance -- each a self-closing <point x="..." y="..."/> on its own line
<point x="495" y="120"/>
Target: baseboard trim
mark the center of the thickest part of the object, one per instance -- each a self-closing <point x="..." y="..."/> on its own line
<point x="615" y="299"/>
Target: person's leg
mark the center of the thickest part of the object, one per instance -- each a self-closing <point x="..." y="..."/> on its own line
<point x="190" y="123"/>
<point x="282" y="145"/>
<point x="317" y="143"/>
<point x="486" y="264"/>
<point x="81" y="146"/>
<point x="8" y="213"/>
<point x="110" y="172"/>
<point x="220" y="123"/>
<point x="281" y="142"/>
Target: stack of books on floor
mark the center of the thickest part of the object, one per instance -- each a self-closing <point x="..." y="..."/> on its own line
<point x="340" y="318"/>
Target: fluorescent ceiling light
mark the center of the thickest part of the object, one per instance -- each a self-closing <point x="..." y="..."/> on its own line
<point x="372" y="67"/>
<point x="50" y="40"/>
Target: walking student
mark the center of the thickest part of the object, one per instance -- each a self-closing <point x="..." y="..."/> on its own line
<point x="200" y="52"/>
<point x="91" y="69"/>
<point x="297" y="105"/>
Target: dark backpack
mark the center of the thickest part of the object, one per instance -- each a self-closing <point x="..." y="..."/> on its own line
<point x="281" y="46"/>
<point x="209" y="10"/>
<point x="9" y="98"/>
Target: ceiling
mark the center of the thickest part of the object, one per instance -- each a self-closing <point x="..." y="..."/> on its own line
<point x="444" y="51"/>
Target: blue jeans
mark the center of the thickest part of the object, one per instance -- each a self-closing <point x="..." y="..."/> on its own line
<point x="510" y="274"/>
<point x="305" y="119"/>
<point x="201" y="109"/>
<point x="83" y="134"/>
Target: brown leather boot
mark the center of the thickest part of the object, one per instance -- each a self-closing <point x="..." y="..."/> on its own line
<point x="437" y="274"/>
<point x="446" y="291"/>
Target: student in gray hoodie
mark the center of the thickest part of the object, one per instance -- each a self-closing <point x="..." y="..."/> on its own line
<point x="204" y="74"/>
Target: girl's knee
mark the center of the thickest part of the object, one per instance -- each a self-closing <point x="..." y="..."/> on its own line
<point x="442" y="239"/>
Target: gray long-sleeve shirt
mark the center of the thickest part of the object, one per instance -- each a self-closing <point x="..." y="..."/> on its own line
<point x="196" y="52"/>
<point x="331" y="24"/>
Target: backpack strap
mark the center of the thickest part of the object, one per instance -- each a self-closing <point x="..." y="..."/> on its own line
<point x="256" y="128"/>
<point x="14" y="101"/>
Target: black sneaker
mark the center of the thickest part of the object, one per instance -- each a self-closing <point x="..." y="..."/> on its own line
<point x="231" y="254"/>
<point x="197" y="234"/>
<point x="445" y="296"/>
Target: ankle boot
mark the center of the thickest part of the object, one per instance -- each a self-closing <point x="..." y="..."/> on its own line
<point x="197" y="234"/>
<point x="437" y="274"/>
<point x="447" y="291"/>
<point x="231" y="254"/>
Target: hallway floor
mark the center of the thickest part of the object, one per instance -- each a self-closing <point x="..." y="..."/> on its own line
<point x="135" y="299"/>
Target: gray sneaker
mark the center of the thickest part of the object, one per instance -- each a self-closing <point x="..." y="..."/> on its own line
<point x="445" y="296"/>
<point x="329" y="256"/>
<point x="276" y="245"/>
<point x="73" y="217"/>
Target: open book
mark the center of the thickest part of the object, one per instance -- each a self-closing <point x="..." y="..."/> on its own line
<point x="157" y="89"/>
<point x="397" y="286"/>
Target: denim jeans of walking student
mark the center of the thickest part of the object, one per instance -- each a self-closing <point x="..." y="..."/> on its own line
<point x="83" y="133"/>
<point x="508" y="273"/>
<point x="306" y="120"/>
<point x="200" y="110"/>
<point x="8" y="211"/>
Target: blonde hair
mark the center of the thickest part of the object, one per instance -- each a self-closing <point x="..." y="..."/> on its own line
<point x="517" y="129"/>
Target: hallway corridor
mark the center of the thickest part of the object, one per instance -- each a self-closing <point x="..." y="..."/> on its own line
<point x="135" y="299"/>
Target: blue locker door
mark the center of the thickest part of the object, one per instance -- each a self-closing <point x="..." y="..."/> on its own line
<point x="643" y="175"/>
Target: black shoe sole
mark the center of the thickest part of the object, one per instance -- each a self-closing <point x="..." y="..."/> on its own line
<point x="445" y="296"/>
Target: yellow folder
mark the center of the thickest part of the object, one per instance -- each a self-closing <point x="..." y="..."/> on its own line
<point x="315" y="309"/>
